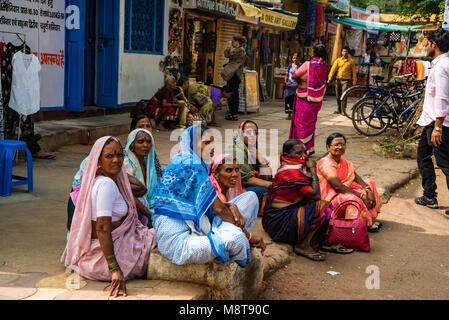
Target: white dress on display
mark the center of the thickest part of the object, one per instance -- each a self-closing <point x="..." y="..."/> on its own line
<point x="25" y="87"/>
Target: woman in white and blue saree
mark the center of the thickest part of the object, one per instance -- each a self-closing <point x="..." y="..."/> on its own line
<point x="187" y="228"/>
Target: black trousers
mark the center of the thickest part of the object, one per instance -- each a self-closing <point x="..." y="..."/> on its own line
<point x="233" y="101"/>
<point x="425" y="163"/>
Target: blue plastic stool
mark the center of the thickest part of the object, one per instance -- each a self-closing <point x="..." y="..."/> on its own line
<point x="7" y="149"/>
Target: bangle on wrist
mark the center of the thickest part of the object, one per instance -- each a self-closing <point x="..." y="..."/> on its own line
<point x="315" y="178"/>
<point x="112" y="256"/>
<point x="113" y="265"/>
<point x="367" y="188"/>
<point x="116" y="268"/>
<point x="250" y="236"/>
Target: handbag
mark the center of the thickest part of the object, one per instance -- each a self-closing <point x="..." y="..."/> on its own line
<point x="351" y="233"/>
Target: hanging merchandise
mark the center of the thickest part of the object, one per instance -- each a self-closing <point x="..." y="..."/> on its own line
<point x="395" y="37"/>
<point x="210" y="42"/>
<point x="199" y="39"/>
<point x="311" y="18"/>
<point x="319" y="21"/>
<point x="371" y="42"/>
<point x="175" y="31"/>
<point x="25" y="88"/>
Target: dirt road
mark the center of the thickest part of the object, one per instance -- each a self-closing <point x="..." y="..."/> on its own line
<point x="411" y="253"/>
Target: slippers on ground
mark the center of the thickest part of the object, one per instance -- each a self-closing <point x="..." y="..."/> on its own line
<point x="337" y="249"/>
<point x="373" y="228"/>
<point x="232" y="118"/>
<point x="314" y="256"/>
<point x="44" y="155"/>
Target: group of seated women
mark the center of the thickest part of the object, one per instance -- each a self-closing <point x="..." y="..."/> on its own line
<point x="203" y="206"/>
<point x="178" y="104"/>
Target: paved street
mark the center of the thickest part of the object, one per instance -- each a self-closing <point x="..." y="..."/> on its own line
<point x="412" y="245"/>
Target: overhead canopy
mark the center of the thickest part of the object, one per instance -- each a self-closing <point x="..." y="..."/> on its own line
<point x="249" y="10"/>
<point x="368" y="25"/>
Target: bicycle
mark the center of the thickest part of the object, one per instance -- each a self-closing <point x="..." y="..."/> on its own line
<point x="373" y="114"/>
<point x="363" y="91"/>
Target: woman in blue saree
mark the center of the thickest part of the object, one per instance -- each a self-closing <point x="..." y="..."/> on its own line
<point x="140" y="163"/>
<point x="192" y="224"/>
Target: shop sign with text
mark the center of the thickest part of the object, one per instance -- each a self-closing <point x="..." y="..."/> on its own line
<point x="214" y="6"/>
<point x="278" y="20"/>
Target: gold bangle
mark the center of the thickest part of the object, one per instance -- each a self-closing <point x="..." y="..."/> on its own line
<point x="250" y="236"/>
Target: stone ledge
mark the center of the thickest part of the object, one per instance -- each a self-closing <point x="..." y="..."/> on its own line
<point x="226" y="281"/>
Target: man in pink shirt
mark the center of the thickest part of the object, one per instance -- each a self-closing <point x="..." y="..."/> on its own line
<point x="435" y="119"/>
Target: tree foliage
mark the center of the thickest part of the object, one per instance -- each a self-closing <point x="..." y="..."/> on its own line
<point x="415" y="9"/>
<point x="423" y="8"/>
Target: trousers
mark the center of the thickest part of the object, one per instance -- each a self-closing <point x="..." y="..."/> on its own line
<point x="425" y="163"/>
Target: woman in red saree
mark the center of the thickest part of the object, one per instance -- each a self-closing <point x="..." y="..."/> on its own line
<point x="294" y="212"/>
<point x="311" y="77"/>
<point x="340" y="182"/>
<point x="163" y="107"/>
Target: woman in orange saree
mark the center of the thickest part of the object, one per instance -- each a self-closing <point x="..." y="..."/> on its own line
<point x="340" y="182"/>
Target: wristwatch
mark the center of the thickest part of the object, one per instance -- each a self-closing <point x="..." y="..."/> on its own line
<point x="437" y="129"/>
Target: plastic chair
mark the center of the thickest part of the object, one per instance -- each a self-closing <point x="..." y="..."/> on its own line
<point x="7" y="150"/>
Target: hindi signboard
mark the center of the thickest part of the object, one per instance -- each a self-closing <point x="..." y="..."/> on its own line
<point x="43" y="24"/>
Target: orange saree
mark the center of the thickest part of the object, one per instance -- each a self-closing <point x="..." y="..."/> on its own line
<point x="345" y="171"/>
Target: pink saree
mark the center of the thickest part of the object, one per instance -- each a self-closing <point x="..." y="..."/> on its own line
<point x="308" y="103"/>
<point x="345" y="171"/>
<point x="132" y="241"/>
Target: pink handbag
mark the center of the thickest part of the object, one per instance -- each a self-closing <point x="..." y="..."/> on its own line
<point x="351" y="233"/>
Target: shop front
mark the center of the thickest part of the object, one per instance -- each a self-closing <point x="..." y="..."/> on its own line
<point x="275" y="48"/>
<point x="208" y="26"/>
<point x="102" y="53"/>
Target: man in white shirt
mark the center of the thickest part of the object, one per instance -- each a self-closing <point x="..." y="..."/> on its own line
<point x="435" y="119"/>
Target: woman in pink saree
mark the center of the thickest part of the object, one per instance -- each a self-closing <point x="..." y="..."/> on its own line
<point x="107" y="241"/>
<point x="339" y="182"/>
<point x="311" y="76"/>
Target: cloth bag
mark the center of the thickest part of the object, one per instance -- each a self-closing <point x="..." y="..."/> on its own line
<point x="351" y="233"/>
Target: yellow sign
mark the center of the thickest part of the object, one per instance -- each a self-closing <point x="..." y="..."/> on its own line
<point x="278" y="19"/>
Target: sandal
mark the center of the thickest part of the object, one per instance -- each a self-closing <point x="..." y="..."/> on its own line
<point x="337" y="248"/>
<point x="314" y="256"/>
<point x="374" y="228"/>
<point x="231" y="117"/>
<point x="44" y="155"/>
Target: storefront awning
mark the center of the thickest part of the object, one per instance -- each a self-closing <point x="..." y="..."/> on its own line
<point x="368" y="25"/>
<point x="248" y="9"/>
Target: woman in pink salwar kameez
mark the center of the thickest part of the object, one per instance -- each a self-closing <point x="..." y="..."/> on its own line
<point x="107" y="241"/>
<point x="311" y="76"/>
<point x="339" y="182"/>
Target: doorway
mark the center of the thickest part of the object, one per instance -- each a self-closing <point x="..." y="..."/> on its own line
<point x="90" y="45"/>
<point x="93" y="55"/>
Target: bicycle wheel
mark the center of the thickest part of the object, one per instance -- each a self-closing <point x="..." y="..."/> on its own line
<point x="408" y="118"/>
<point x="352" y="96"/>
<point x="370" y="117"/>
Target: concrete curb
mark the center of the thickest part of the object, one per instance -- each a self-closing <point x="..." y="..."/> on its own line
<point x="385" y="192"/>
<point x="53" y="140"/>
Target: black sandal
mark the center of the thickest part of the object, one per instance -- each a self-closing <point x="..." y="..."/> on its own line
<point x="314" y="256"/>
<point x="337" y="248"/>
<point x="231" y="117"/>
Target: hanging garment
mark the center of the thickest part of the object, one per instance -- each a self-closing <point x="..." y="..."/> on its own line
<point x="419" y="70"/>
<point x="407" y="66"/>
<point x="12" y="118"/>
<point x="25" y="88"/>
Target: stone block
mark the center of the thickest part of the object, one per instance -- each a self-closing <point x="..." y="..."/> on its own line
<point x="411" y="150"/>
<point x="225" y="280"/>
